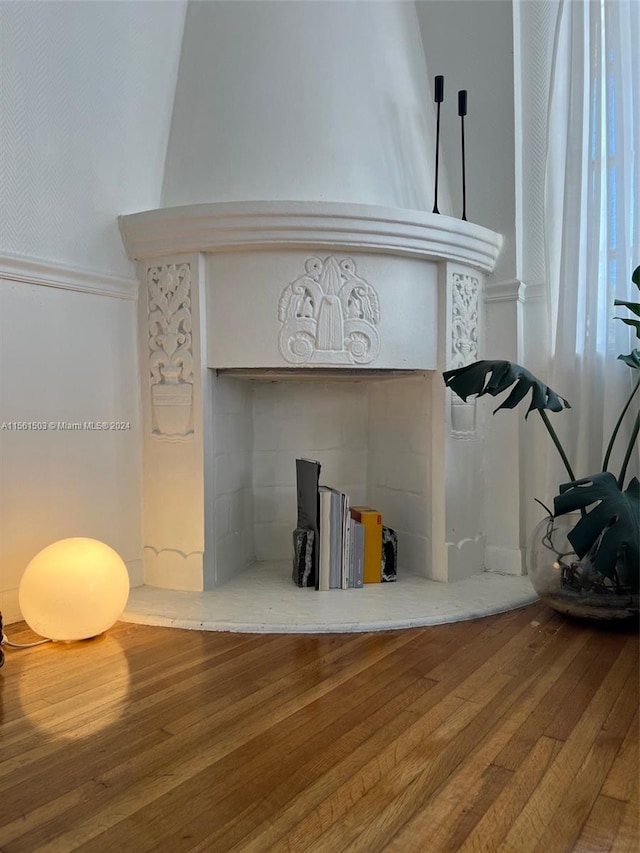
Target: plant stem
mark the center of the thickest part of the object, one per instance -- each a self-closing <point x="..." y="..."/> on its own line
<point x="632" y="441"/>
<point x="605" y="462"/>
<point x="556" y="441"/>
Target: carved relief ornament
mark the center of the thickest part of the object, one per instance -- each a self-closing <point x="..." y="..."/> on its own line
<point x="169" y="325"/>
<point x="329" y="315"/>
<point x="464" y="321"/>
<point x="464" y="346"/>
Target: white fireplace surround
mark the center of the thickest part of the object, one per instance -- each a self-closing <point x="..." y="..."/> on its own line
<point x="240" y="305"/>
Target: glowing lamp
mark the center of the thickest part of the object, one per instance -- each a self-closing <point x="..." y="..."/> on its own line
<point x="73" y="589"/>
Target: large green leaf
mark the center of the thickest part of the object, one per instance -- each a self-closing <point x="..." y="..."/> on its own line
<point x="634" y="307"/>
<point x="633" y="359"/>
<point x="493" y="377"/>
<point x="634" y="323"/>
<point x="615" y="518"/>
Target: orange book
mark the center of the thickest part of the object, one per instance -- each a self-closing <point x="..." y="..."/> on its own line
<point x="372" y="521"/>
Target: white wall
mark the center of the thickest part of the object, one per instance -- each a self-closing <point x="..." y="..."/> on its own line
<point x="86" y="93"/>
<point x="314" y="420"/>
<point x="313" y="101"/>
<point x="70" y="357"/>
<point x="233" y="507"/>
<point x="534" y="32"/>
<point x="398" y="465"/>
<point x="470" y="42"/>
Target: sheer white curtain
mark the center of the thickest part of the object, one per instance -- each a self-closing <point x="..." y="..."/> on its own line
<point x="593" y="221"/>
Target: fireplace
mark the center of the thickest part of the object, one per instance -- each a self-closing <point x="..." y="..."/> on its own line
<point x="275" y="330"/>
<point x="297" y="299"/>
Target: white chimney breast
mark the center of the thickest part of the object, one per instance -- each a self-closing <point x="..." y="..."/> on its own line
<point x="322" y="101"/>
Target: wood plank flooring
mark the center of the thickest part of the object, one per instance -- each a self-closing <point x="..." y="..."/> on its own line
<point x="518" y="732"/>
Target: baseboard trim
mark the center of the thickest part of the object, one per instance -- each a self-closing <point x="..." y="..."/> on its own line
<point x="505" y="561"/>
<point x="136" y="572"/>
<point x="9" y="606"/>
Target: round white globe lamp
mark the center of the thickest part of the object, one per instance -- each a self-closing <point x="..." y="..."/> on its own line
<point x="74" y="589"/>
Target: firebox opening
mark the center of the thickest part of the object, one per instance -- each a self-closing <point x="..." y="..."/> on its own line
<point x="371" y="435"/>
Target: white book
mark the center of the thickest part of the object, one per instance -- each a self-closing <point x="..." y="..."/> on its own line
<point x="334" y="522"/>
<point x="346" y="541"/>
<point x="324" y="553"/>
<point x="335" y="581"/>
<point x="357" y="553"/>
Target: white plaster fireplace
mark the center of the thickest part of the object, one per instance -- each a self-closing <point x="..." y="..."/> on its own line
<point x="242" y="372"/>
<point x="297" y="299"/>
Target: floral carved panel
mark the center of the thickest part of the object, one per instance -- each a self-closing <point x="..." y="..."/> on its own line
<point x="464" y="346"/>
<point x="328" y="315"/>
<point x="169" y="324"/>
<point x="464" y="321"/>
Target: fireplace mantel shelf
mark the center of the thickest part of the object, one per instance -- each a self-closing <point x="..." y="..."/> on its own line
<point x="224" y="226"/>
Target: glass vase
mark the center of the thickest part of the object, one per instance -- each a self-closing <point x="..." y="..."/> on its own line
<point x="571" y="585"/>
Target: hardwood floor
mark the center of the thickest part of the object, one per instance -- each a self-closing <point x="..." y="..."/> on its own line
<point x="517" y="732"/>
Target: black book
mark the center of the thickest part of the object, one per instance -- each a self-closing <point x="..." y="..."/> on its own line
<point x="307" y="478"/>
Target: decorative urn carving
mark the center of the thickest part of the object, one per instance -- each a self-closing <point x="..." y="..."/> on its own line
<point x="329" y="315"/>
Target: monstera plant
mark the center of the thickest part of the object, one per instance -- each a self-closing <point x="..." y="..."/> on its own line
<point x="598" y="555"/>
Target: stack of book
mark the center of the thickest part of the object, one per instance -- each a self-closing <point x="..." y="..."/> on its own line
<point x="336" y="545"/>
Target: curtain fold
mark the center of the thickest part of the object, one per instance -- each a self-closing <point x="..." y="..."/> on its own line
<point x="592" y="221"/>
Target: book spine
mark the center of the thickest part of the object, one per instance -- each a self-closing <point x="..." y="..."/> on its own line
<point x="372" y="521"/>
<point x="358" y="559"/>
<point x="346" y="541"/>
<point x="324" y="560"/>
<point x="335" y="571"/>
<point x="352" y="554"/>
<point x="307" y="478"/>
